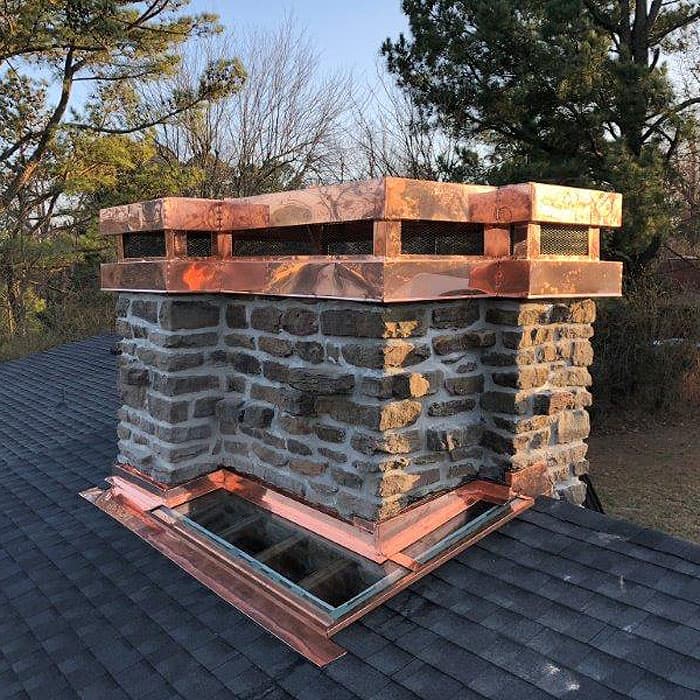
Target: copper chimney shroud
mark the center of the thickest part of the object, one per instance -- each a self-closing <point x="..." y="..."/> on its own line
<point x="379" y="241"/>
<point x="386" y="240"/>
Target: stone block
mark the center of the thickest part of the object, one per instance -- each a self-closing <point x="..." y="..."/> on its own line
<point x="133" y="396"/>
<point x="307" y="467"/>
<point x="347" y="478"/>
<point x="394" y="483"/>
<point x="178" y="341"/>
<point x="167" y="411"/>
<point x="236" y="316"/>
<point x="573" y="491"/>
<point x="451" y="408"/>
<point x="237" y="340"/>
<point x="519" y="424"/>
<point x="266" y="318"/>
<point x="245" y="363"/>
<point x="450" y="437"/>
<point x="571" y="376"/>
<point x="573" y="425"/>
<point x="298" y="447"/>
<point x="464" y="386"/>
<point x="276" y="346"/>
<point x="257" y="416"/>
<point x="391" y="322"/>
<point x="179" y="314"/>
<point x="551" y="402"/>
<point x="582" y="354"/>
<point x="205" y="407"/>
<point x="389" y="443"/>
<point x="236" y="384"/>
<point x="527" y="377"/>
<point x="182" y="433"/>
<point x="574" y="312"/>
<point x="500" y="359"/>
<point x="333" y="455"/>
<point x="523" y="314"/>
<point x="461" y="342"/>
<point x="300" y="321"/>
<point x="464" y="470"/>
<point x="329" y="433"/>
<point x="310" y="351"/>
<point x="229" y="410"/>
<point x="122" y="305"/>
<point x="458" y="314"/>
<point x="402" y="386"/>
<point x="272" y="457"/>
<point x="399" y="414"/>
<point x="170" y="385"/>
<point x="146" y="309"/>
<point x="320" y="381"/>
<point x="289" y="400"/>
<point x="393" y="353"/>
<point x="295" y="425"/>
<point x="416" y="385"/>
<point x="505" y="402"/>
<point x="133" y="376"/>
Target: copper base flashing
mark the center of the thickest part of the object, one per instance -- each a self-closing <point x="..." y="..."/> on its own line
<point x="410" y="545"/>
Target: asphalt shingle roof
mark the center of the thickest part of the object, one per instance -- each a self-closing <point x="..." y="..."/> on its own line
<point x="562" y="602"/>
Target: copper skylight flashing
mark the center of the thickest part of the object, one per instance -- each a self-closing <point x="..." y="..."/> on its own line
<point x="406" y="547"/>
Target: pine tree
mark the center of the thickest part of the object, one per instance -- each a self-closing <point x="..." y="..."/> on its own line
<point x="570" y="91"/>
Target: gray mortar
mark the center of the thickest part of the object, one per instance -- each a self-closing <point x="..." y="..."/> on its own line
<point x="361" y="408"/>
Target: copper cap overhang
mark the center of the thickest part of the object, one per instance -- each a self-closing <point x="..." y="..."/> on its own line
<point x="516" y="261"/>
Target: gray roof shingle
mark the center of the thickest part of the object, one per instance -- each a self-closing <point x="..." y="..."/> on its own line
<point x="561" y="602"/>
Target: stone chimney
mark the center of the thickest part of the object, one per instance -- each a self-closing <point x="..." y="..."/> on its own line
<point x="365" y="346"/>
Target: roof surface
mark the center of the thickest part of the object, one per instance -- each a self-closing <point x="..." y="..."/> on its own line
<point x="562" y="602"/>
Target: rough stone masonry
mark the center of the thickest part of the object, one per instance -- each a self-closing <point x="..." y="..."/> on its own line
<point x="360" y="408"/>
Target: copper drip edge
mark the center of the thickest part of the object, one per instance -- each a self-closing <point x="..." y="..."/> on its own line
<point x="142" y="505"/>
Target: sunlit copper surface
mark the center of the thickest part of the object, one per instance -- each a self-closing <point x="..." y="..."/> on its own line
<point x="511" y="265"/>
<point x="239" y="588"/>
<point x="182" y="214"/>
<point x="377" y="541"/>
<point x="395" y="198"/>
<point x="365" y="279"/>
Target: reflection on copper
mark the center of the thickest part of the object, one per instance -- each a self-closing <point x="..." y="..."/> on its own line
<point x="511" y="264"/>
<point x="388" y="199"/>
<point x="183" y="214"/>
<point x="233" y="586"/>
<point x="366" y="279"/>
<point x="374" y="540"/>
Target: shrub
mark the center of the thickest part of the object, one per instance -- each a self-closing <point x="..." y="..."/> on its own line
<point x="646" y="348"/>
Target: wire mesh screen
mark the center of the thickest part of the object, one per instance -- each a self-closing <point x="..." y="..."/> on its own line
<point x="347" y="238"/>
<point x="562" y="239"/>
<point x="199" y="244"/>
<point x="351" y="238"/>
<point x="144" y="245"/>
<point x="441" y="238"/>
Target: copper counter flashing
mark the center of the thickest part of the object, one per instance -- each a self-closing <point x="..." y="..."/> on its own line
<point x="386" y="240"/>
<point x="238" y="537"/>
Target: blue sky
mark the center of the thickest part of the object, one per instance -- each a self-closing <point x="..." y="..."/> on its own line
<point x="347" y="34"/>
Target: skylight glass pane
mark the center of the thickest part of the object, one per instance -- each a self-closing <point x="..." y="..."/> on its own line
<point x="318" y="570"/>
<point x="331" y="577"/>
